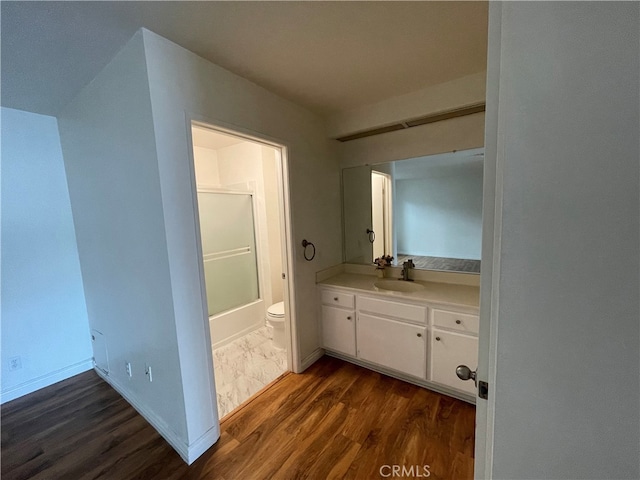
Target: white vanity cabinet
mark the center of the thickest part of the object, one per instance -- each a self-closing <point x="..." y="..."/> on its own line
<point x="410" y="338"/>
<point x="393" y="344"/>
<point x="392" y="334"/>
<point x="338" y="321"/>
<point x="454" y="341"/>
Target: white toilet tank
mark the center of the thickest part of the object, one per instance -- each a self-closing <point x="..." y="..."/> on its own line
<point x="275" y="319"/>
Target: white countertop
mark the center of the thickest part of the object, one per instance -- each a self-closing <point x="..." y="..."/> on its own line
<point x="445" y="293"/>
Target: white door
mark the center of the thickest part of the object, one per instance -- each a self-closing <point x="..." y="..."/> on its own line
<point x="559" y="336"/>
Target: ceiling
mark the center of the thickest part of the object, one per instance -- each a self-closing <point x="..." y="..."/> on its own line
<point x="213" y="140"/>
<point x="327" y="56"/>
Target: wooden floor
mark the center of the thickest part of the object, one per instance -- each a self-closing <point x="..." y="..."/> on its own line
<point x="336" y="420"/>
<point x="441" y="263"/>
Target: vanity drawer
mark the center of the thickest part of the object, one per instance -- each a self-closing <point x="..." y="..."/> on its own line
<point x="402" y="311"/>
<point x="462" y="322"/>
<point x="338" y="299"/>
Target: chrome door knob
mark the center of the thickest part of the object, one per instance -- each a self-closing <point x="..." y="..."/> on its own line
<point x="465" y="373"/>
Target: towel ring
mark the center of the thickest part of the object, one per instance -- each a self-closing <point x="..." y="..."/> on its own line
<point x="306" y="244"/>
<point x="372" y="235"/>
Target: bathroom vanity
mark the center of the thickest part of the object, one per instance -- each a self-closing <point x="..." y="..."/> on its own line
<point x="415" y="331"/>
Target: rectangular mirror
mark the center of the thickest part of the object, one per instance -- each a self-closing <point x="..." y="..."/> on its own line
<point x="428" y="209"/>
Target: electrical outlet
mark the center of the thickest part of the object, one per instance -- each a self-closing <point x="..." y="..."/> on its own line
<point x="127" y="368"/>
<point x="147" y="372"/>
<point x="15" y="363"/>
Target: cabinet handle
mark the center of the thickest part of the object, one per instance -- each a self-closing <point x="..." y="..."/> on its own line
<point x="458" y="322"/>
<point x="419" y="334"/>
<point x="335" y="298"/>
<point x="437" y="339"/>
<point x="349" y="318"/>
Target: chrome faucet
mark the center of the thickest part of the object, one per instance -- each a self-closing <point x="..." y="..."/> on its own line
<point x="406" y="267"/>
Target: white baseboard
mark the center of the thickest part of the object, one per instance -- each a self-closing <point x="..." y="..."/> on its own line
<point x="42" y="381"/>
<point x="203" y="444"/>
<point x="311" y="359"/>
<point x="189" y="453"/>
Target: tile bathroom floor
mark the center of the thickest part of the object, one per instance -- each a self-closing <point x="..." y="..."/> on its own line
<point x="245" y="366"/>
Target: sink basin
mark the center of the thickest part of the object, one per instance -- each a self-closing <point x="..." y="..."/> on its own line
<point x="398" y="286"/>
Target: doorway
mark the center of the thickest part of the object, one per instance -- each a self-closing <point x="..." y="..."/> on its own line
<point x="242" y="224"/>
<point x="381" y="216"/>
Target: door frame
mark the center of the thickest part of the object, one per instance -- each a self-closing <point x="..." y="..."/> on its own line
<point x="286" y="239"/>
<point x="492" y="194"/>
<point x="387" y="211"/>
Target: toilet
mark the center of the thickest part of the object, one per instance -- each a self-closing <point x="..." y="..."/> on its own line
<point x="275" y="319"/>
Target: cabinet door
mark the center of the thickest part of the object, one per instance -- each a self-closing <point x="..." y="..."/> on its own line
<point x="448" y="350"/>
<point x="392" y="344"/>
<point x="338" y="330"/>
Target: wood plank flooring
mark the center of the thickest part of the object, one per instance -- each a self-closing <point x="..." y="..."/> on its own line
<point x="334" y="421"/>
<point x="441" y="263"/>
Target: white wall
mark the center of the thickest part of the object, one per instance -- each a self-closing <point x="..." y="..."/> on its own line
<point x="455" y="134"/>
<point x="458" y="93"/>
<point x="566" y="372"/>
<point x="274" y="229"/>
<point x="439" y="213"/>
<point x="44" y="316"/>
<point x="183" y="83"/>
<point x="108" y="141"/>
<point x="206" y="166"/>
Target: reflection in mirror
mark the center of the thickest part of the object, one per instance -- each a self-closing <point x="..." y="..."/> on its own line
<point x="428" y="209"/>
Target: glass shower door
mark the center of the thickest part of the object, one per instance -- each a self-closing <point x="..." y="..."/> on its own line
<point x="229" y="250"/>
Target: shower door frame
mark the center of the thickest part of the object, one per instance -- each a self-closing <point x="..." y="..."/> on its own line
<point x="294" y="362"/>
<point x="251" y="192"/>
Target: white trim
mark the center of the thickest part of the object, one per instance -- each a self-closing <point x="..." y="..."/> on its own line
<point x="188" y="452"/>
<point x="387" y="210"/>
<point x="199" y="253"/>
<point x="234" y="130"/>
<point x="388" y="227"/>
<point x="491" y="249"/>
<point x="264" y="288"/>
<point x="294" y="362"/>
<point x="45" y="380"/>
<point x="202" y="444"/>
<point x="316" y="355"/>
